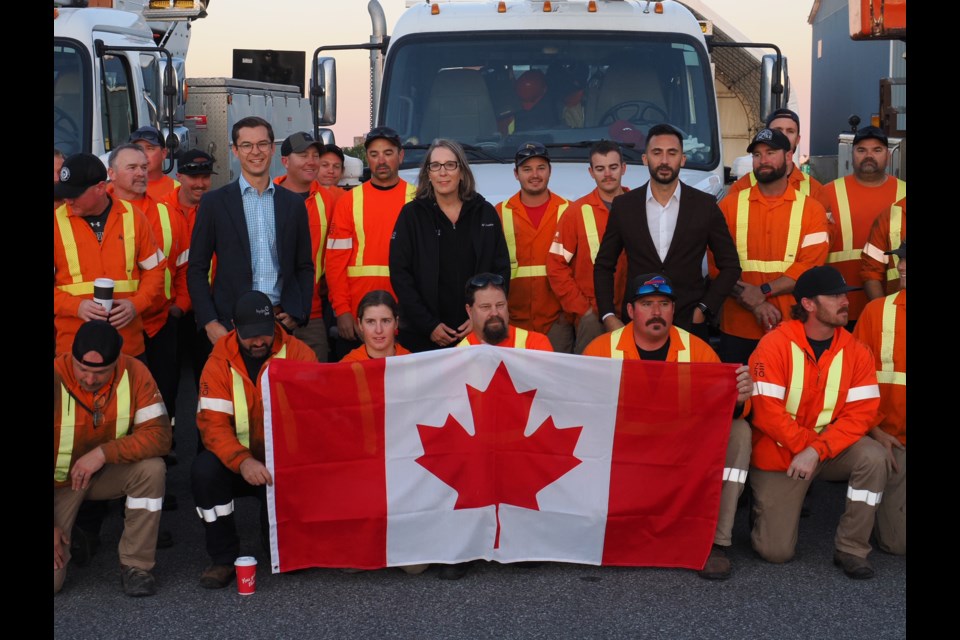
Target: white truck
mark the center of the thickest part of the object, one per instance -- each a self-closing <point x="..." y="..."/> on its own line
<point x="596" y="69"/>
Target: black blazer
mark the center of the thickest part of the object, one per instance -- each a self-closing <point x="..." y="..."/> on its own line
<point x="700" y="226"/>
<point x="221" y="230"/>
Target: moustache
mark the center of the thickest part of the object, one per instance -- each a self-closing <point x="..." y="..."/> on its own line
<point x="652" y="321"/>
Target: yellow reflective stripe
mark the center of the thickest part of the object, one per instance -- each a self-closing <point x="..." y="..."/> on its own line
<point x="358" y="223"/>
<point x="167" y="247"/>
<point x="683" y="355"/>
<point x="901" y="191"/>
<point x="464" y="343"/>
<point x="129" y="238"/>
<point x="510" y="235"/>
<point x="753" y="179"/>
<point x="282" y="354"/>
<point x="68" y="423"/>
<point x="410" y="193"/>
<point x="830" y="393"/>
<point x="321" y="214"/>
<point x="123" y="406"/>
<point x="896" y="222"/>
<point x="69" y="244"/>
<point x="616" y="353"/>
<point x="792" y="247"/>
<point x="84" y="288"/>
<point x="888" y="333"/>
<point x="533" y="271"/>
<point x="804" y="182"/>
<point x="356" y="272"/>
<point x="590" y="227"/>
<point x="520" y="339"/>
<point x="892" y="377"/>
<point x="176" y="183"/>
<point x="241" y="415"/>
<point x="795" y="390"/>
<point x="846" y="224"/>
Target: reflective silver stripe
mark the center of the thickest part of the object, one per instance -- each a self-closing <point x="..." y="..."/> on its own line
<point x="862" y="495"/>
<point x="734" y="475"/>
<point x="557" y="249"/>
<point x="815" y="238"/>
<point x="149" y="413"/>
<point x="770" y="390"/>
<point x="219" y="511"/>
<point x="216" y="404"/>
<point x="863" y="393"/>
<point x="152" y="261"/>
<point x="150" y="504"/>
<point x="340" y="243"/>
<point x="874" y="252"/>
<point x="183" y="258"/>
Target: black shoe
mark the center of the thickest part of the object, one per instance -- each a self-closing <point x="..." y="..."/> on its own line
<point x="170" y="502"/>
<point x="718" y="566"/>
<point x="83" y="546"/>
<point x="137" y="582"/>
<point x="854" y="566"/>
<point x="171" y="458"/>
<point x="454" y="571"/>
<point x="164" y="539"/>
<point x="217" y="576"/>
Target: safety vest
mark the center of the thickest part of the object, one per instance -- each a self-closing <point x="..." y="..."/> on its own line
<point x="241" y="413"/>
<point x="590" y="227"/>
<point x="830" y="393"/>
<point x="526" y="271"/>
<point x="166" y="246"/>
<point x="804" y="181"/>
<point x="360" y="270"/>
<point x="68" y="425"/>
<point x="322" y="215"/>
<point x="79" y="286"/>
<point x="846" y="224"/>
<point x="683" y="355"/>
<point x="792" y="247"/>
<point x="896" y="224"/>
<point x="519" y="339"/>
<point x="887" y="374"/>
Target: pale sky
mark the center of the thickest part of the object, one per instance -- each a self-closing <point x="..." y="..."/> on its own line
<point x="303" y="25"/>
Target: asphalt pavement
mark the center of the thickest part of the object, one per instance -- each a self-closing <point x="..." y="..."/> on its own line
<point x="806" y="598"/>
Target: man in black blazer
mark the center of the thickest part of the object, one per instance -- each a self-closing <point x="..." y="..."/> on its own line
<point x="260" y="236"/>
<point x="666" y="227"/>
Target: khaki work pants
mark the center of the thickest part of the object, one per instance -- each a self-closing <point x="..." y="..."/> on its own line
<point x="143" y="483"/>
<point x="891" y="527"/>
<point x="734" y="476"/>
<point x="561" y="334"/>
<point x="777" y="500"/>
<point x="314" y="335"/>
<point x="588" y="328"/>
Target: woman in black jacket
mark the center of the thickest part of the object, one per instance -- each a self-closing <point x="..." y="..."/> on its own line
<point x="447" y="234"/>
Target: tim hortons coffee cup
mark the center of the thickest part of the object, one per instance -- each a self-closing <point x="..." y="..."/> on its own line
<point x="103" y="293"/>
<point x="246" y="575"/>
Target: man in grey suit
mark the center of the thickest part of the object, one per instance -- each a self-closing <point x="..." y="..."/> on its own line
<point x="666" y="227"/>
<point x="260" y="236"/>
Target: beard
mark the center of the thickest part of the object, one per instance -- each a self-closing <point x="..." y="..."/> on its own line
<point x="656" y="177"/>
<point x="495" y="331"/>
<point x="772" y="175"/>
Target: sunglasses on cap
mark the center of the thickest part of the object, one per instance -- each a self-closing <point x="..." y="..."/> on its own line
<point x="653" y="285"/>
<point x="198" y="167"/>
<point x="531" y="150"/>
<point x="382" y="132"/>
<point x="483" y="279"/>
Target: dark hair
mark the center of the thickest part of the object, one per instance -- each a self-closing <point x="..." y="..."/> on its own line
<point x="126" y="146"/>
<point x="467" y="188"/>
<point x="332" y="148"/>
<point x="376" y="298"/>
<point x="797" y="312"/>
<point x="603" y="148"/>
<point x="250" y="122"/>
<point x="58" y="154"/>
<point x="663" y="129"/>
<point x="485" y="280"/>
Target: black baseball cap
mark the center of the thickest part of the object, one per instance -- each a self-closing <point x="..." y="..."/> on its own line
<point x="783" y="113"/>
<point x="194" y="162"/>
<point x="148" y="133"/>
<point x="772" y="138"/>
<point x="651" y="284"/>
<point x="900" y="252"/>
<point x="871" y="132"/>
<point x="253" y="315"/>
<point x="78" y="173"/>
<point x="821" y="281"/>
<point x="298" y="143"/>
<point x="530" y="150"/>
<point x="100" y="337"/>
<point x="382" y="132"/>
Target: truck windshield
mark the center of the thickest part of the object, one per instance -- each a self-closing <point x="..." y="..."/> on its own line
<point x="70" y="100"/>
<point x="493" y="91"/>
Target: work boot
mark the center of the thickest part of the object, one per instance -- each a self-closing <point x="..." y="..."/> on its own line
<point x="854" y="566"/>
<point x="83" y="546"/>
<point x="217" y="576"/>
<point x="137" y="582"/>
<point x="164" y="539"/>
<point x="718" y="566"/>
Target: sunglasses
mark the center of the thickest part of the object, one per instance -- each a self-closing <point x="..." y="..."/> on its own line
<point x="202" y="167"/>
<point x="531" y="150"/>
<point x="483" y="279"/>
<point x="654" y="285"/>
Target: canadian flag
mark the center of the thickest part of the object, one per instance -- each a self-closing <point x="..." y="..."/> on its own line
<point x="495" y="453"/>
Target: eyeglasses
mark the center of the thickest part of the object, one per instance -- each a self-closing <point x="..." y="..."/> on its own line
<point x="263" y="145"/>
<point x="450" y="165"/>
<point x="653" y="285"/>
<point x="197" y="167"/>
<point x="481" y="280"/>
<point x="98" y="404"/>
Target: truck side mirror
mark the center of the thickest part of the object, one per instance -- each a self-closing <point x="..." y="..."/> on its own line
<point x="773" y="85"/>
<point x="326" y="136"/>
<point x="323" y="91"/>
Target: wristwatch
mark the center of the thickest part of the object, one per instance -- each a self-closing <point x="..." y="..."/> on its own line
<point x="766" y="289"/>
<point x="704" y="309"/>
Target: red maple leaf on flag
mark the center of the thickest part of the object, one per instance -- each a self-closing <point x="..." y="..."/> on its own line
<point x="498" y="464"/>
